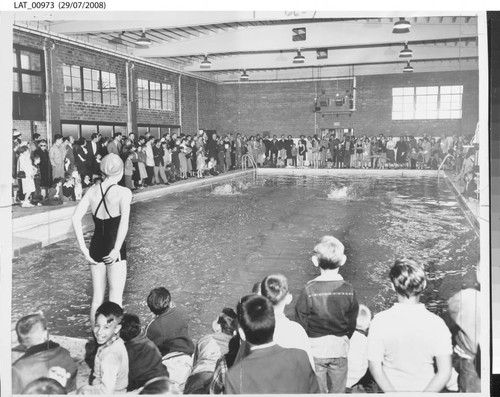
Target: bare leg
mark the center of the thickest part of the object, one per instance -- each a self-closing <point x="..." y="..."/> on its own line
<point x="98" y="273"/>
<point x="117" y="276"/>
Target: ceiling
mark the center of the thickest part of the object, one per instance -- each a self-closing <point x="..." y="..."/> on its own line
<point x="262" y="42"/>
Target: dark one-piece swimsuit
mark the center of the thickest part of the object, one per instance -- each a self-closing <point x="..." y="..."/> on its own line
<point x="105" y="233"/>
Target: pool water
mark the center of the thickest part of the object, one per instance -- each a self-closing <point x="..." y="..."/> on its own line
<point x="210" y="245"/>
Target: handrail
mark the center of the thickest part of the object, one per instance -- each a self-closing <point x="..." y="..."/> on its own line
<point x="244" y="163"/>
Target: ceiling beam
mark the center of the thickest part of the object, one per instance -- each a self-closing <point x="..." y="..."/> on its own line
<point x="319" y="35"/>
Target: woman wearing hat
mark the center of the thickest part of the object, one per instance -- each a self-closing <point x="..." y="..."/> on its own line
<point x="110" y="205"/>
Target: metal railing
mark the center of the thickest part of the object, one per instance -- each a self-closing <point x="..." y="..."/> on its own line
<point x="251" y="160"/>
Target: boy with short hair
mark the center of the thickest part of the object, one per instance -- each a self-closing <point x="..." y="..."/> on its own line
<point x="144" y="358"/>
<point x="111" y="360"/>
<point x="269" y="368"/>
<point x="42" y="358"/>
<point x="169" y="332"/>
<point x="327" y="308"/>
<point x="405" y="340"/>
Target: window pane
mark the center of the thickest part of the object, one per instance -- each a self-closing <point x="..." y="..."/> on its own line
<point x="456" y="89"/>
<point x="31" y="84"/>
<point x="15" y="83"/>
<point x="397" y="100"/>
<point x="456" y="114"/>
<point x="446" y="89"/>
<point x="70" y="130"/>
<point x="14" y="63"/>
<point x="142" y="130"/>
<point x="88" y="130"/>
<point x="408" y="90"/>
<point x="397" y="91"/>
<point x="30" y="60"/>
<point x="106" y="130"/>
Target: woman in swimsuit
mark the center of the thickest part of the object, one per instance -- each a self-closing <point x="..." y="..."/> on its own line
<point x="110" y="205"/>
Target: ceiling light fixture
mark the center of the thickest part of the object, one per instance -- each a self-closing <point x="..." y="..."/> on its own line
<point x="406" y="52"/>
<point x="244" y="76"/>
<point x="401" y="26"/>
<point x="205" y="64"/>
<point x="408" y="68"/>
<point x="143" y="40"/>
<point x="299" y="58"/>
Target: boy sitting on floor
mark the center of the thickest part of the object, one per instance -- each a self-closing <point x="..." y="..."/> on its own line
<point x="42" y="358"/>
<point x="269" y="368"/>
<point x="169" y="332"/>
<point x="111" y="360"/>
<point x="144" y="358"/>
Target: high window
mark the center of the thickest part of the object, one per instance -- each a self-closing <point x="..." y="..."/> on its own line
<point x="89" y="85"/>
<point x="421" y="103"/>
<point x="28" y="74"/>
<point x="152" y="95"/>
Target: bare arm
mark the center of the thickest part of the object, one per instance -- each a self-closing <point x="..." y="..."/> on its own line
<point x="125" y="201"/>
<point x="81" y="210"/>
<point x="441" y="377"/>
<point x="380" y="377"/>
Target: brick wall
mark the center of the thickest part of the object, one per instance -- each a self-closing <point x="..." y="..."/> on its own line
<point x="287" y="108"/>
<point x="198" y="105"/>
<point x="194" y="113"/>
<point x="24" y="127"/>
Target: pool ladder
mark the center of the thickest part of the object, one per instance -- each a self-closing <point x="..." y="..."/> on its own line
<point x="244" y="159"/>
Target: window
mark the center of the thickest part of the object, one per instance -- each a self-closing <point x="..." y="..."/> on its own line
<point x="89" y="85"/>
<point x="27" y="72"/>
<point x="28" y="82"/>
<point x="85" y="130"/>
<point x="421" y="103"/>
<point x="451" y="102"/>
<point x="152" y="95"/>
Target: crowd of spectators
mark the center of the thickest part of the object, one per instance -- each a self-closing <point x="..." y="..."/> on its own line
<point x="333" y="346"/>
<point x="50" y="176"/>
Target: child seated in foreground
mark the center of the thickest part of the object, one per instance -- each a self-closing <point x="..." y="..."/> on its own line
<point x="405" y="340"/>
<point x="269" y="368"/>
<point x="327" y="308"/>
<point x="209" y="349"/>
<point x="111" y="360"/>
<point x="169" y="332"/>
<point x="42" y="358"/>
<point x="286" y="333"/>
<point x="144" y="358"/>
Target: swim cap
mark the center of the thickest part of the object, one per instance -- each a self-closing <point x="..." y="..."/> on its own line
<point x="112" y="165"/>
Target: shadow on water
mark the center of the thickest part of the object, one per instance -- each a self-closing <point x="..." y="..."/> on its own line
<point x="210" y="245"/>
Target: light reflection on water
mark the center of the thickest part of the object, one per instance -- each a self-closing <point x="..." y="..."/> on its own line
<point x="208" y="247"/>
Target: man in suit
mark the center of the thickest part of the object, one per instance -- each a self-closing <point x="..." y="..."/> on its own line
<point x="115" y="146"/>
<point x="94" y="152"/>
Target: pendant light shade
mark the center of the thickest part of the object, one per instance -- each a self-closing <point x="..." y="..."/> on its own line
<point x="205" y="64"/>
<point x="299" y="58"/>
<point x="408" y="68"/>
<point x="143" y="40"/>
<point x="401" y="26"/>
<point x="244" y="76"/>
<point x="406" y="52"/>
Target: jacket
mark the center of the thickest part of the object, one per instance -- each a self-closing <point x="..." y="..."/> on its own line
<point x="39" y="361"/>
